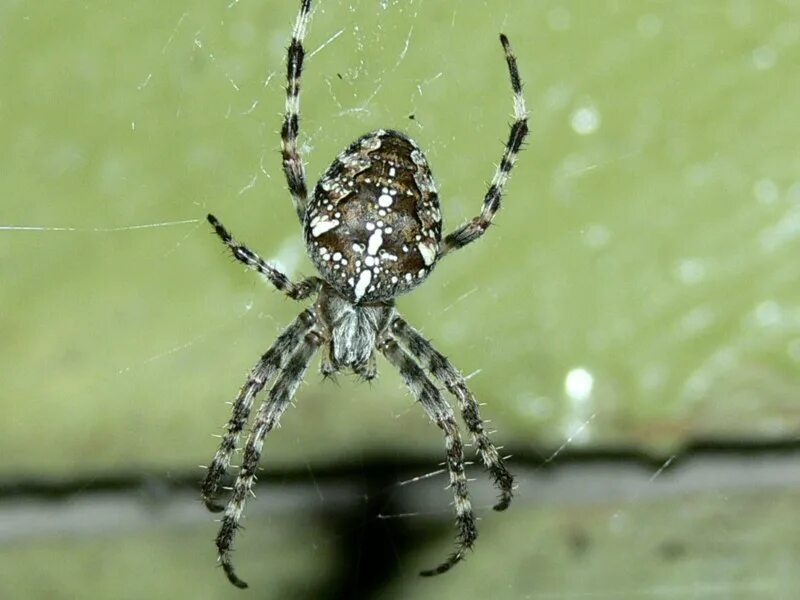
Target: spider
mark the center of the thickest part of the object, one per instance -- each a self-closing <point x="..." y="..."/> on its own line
<point x="374" y="231"/>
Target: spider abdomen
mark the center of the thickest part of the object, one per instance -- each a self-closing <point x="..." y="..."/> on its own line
<point x="373" y="226"/>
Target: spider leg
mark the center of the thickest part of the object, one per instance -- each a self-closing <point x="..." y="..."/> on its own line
<point x="296" y="291"/>
<point x="440" y="413"/>
<point x="267" y="418"/>
<point x="443" y="370"/>
<point x="292" y="159"/>
<point x="272" y="361"/>
<point x="475" y="228"/>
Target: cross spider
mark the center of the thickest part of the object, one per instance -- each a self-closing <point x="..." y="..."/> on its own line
<point x="373" y="230"/>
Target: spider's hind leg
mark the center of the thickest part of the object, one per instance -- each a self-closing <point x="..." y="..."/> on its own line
<point x="271" y="362"/>
<point x="266" y="420"/>
<point x="443" y="370"/>
<point x="440" y="413"/>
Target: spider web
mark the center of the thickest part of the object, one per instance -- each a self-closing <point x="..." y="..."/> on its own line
<point x="126" y="327"/>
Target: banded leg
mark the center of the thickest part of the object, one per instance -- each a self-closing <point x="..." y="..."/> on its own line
<point x="475" y="228"/>
<point x="272" y="361"/>
<point x="443" y="370"/>
<point x="295" y="291"/>
<point x="440" y="413"/>
<point x="267" y="418"/>
<point x="292" y="160"/>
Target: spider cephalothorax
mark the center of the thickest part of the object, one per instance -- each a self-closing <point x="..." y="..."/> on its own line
<point x="374" y="231"/>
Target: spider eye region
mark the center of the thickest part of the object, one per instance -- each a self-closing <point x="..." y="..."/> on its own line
<point x="373" y="226"/>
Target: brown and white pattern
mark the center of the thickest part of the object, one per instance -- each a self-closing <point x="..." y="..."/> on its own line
<point x="373" y="229"/>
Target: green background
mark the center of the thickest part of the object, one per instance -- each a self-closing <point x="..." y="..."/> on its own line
<point x="641" y="288"/>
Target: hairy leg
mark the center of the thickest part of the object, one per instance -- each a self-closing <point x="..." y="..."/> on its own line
<point x="440" y="413"/>
<point x="441" y="368"/>
<point x="295" y="291"/>
<point x="267" y="418"/>
<point x="271" y="362"/>
<point x="475" y="228"/>
<point x="292" y="160"/>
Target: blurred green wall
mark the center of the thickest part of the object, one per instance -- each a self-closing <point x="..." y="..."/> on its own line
<point x="640" y="288"/>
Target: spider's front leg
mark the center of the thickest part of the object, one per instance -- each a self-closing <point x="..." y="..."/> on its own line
<point x="443" y="370"/>
<point x="440" y="413"/>
<point x="475" y="228"/>
<point x="270" y="363"/>
<point x="267" y="418"/>
<point x="296" y="291"/>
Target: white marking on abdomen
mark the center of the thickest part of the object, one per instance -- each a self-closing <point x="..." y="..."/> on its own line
<point x="428" y="252"/>
<point x="375" y="242"/>
<point x="320" y="224"/>
<point x="364" y="280"/>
